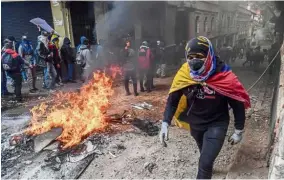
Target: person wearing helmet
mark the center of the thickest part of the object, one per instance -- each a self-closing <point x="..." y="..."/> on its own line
<point x="198" y="101"/>
<point x="26" y="52"/>
<point x="160" y="60"/>
<point x="144" y="61"/>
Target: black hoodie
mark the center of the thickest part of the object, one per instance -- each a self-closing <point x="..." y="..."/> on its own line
<point x="67" y="53"/>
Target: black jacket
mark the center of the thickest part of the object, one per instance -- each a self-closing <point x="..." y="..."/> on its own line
<point x="67" y="53"/>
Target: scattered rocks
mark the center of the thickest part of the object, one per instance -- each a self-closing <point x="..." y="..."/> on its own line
<point x="28" y="162"/>
<point x="56" y="167"/>
<point x="149" y="166"/>
<point x="57" y="159"/>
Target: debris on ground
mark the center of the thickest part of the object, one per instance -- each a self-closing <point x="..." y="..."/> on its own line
<point x="43" y="140"/>
<point x="142" y="106"/>
<point x="149" y="166"/>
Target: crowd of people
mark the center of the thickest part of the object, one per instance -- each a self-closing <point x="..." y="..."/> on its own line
<point x="21" y="62"/>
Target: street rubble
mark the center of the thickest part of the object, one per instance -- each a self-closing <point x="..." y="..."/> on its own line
<point x="127" y="148"/>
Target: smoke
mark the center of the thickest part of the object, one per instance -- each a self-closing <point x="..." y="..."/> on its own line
<point x="116" y="22"/>
<point x="125" y="19"/>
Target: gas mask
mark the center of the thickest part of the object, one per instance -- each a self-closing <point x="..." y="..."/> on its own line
<point x="196" y="64"/>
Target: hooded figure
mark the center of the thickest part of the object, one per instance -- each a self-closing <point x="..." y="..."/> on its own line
<point x="68" y="58"/>
<point x="26" y="52"/>
<point x="45" y="59"/>
<point x="82" y="40"/>
<point x="53" y="47"/>
<point x="84" y="59"/>
<point x="198" y="101"/>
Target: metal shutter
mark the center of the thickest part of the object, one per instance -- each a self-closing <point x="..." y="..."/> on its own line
<point x="16" y="18"/>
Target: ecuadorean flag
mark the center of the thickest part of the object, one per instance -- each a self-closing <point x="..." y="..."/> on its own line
<point x="224" y="82"/>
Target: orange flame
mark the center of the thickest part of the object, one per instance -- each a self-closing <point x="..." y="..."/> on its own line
<point x="79" y="114"/>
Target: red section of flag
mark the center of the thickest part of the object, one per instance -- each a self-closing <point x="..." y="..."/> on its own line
<point x="227" y="84"/>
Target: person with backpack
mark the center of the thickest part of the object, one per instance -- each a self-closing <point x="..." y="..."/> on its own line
<point x="11" y="62"/>
<point x="45" y="60"/>
<point x="129" y="65"/>
<point x="26" y="52"/>
<point x="68" y="58"/>
<point x="84" y="59"/>
<point x="144" y="62"/>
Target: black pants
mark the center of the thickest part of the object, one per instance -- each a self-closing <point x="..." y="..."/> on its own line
<point x="17" y="78"/>
<point x="130" y="74"/>
<point x="59" y="74"/>
<point x="209" y="143"/>
<point x="146" y="73"/>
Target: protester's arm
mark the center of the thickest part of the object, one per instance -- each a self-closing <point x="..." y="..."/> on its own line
<point x="239" y="113"/>
<point x="171" y="105"/>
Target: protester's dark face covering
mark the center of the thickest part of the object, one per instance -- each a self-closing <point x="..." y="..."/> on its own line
<point x="196" y="62"/>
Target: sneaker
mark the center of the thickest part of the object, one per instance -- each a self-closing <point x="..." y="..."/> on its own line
<point x="36" y="89"/>
<point x="136" y="94"/>
<point x="60" y="84"/>
<point x="52" y="91"/>
<point x="8" y="94"/>
<point x="57" y="85"/>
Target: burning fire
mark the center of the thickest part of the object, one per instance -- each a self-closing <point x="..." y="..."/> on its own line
<point x="79" y="114"/>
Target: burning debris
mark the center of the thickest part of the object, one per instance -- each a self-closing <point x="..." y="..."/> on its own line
<point x="79" y="114"/>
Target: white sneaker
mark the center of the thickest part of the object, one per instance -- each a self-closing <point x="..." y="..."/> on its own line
<point x="57" y="85"/>
<point x="51" y="91"/>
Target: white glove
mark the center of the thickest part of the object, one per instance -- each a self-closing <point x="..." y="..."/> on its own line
<point x="164" y="133"/>
<point x="236" y="137"/>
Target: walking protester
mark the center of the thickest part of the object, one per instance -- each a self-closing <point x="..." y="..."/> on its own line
<point x="84" y="59"/>
<point x="26" y="51"/>
<point x="144" y="58"/>
<point x="248" y="57"/>
<point x="198" y="101"/>
<point x="68" y="58"/>
<point x="101" y="61"/>
<point x="224" y="53"/>
<point x="257" y="58"/>
<point x="129" y="65"/>
<point x="54" y="48"/>
<point x="160" y="60"/>
<point x="11" y="62"/>
<point x="45" y="60"/>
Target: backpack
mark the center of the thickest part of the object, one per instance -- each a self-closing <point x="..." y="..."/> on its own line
<point x="27" y="49"/>
<point x="79" y="57"/>
<point x="7" y="62"/>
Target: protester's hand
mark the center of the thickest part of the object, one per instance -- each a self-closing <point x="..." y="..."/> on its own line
<point x="164" y="133"/>
<point x="58" y="65"/>
<point x="236" y="137"/>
